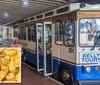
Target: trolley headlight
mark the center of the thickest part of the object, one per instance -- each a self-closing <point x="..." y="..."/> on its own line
<point x="96" y="68"/>
<point x="88" y="69"/>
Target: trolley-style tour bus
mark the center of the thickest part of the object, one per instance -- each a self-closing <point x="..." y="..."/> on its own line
<point x="64" y="43"/>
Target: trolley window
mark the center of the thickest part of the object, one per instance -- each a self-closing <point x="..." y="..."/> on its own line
<point x="69" y="32"/>
<point x="33" y="29"/>
<point x="29" y="33"/>
<point x="24" y="32"/>
<point x="40" y="33"/>
<point x="89" y="31"/>
<point x="59" y="32"/>
<point x="16" y="31"/>
<point x="21" y="31"/>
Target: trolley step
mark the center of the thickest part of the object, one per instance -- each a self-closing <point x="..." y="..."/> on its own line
<point x="89" y="82"/>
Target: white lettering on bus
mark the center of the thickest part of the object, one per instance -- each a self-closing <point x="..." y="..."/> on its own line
<point x="90" y="57"/>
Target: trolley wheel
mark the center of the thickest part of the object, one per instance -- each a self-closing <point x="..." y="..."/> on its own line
<point x="64" y="76"/>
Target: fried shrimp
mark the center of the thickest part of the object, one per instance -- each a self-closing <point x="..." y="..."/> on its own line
<point x="10" y="65"/>
<point x="1" y="49"/>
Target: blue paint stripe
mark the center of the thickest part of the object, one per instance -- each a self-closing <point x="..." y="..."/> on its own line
<point x="78" y="72"/>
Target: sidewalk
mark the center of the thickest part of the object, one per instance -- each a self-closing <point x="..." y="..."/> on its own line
<point x="31" y="77"/>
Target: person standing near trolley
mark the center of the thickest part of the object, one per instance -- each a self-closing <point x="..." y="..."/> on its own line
<point x="16" y="44"/>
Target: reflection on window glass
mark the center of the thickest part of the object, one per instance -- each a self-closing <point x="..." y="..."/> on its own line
<point x="69" y="30"/>
<point x="48" y="37"/>
<point x="59" y="32"/>
<point x="89" y="29"/>
<point x="48" y="32"/>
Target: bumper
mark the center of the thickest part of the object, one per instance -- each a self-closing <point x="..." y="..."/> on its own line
<point x="89" y="82"/>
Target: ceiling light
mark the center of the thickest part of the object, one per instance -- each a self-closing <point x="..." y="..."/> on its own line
<point x="25" y="2"/>
<point x="6" y="14"/>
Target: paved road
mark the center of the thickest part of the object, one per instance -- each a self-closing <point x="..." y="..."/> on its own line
<point x="6" y="43"/>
